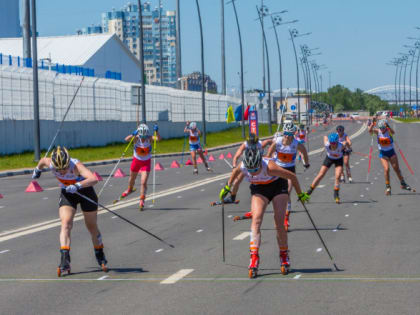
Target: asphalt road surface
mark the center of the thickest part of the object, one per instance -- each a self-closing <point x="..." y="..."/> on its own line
<point x="374" y="239"/>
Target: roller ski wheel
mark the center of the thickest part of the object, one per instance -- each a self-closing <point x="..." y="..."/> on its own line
<point x="350" y="180"/>
<point x="195" y="171"/>
<point x="124" y="195"/>
<point x="64" y="267"/>
<point x="404" y="186"/>
<point x="337" y="200"/>
<point x="246" y="216"/>
<point x="209" y="169"/>
<point x="252" y="273"/>
<point x="336" y="197"/>
<point x="141" y="205"/>
<point x="253" y="266"/>
<point x="284" y="270"/>
<point x="388" y="190"/>
<point x="100" y="258"/>
<point x="285" y="264"/>
<point x="219" y="203"/>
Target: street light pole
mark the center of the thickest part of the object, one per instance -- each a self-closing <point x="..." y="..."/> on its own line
<point x="142" y="81"/>
<point x="417" y="78"/>
<point x="293" y="34"/>
<point x="37" y="142"/>
<point x="222" y="26"/>
<point x="203" y="95"/>
<point x="178" y="45"/>
<point x="242" y="69"/>
<point x="160" y="44"/>
<point x="275" y="23"/>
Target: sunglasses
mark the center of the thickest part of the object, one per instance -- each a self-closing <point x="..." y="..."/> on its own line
<point x="253" y="170"/>
<point x="288" y="134"/>
<point x="340" y="130"/>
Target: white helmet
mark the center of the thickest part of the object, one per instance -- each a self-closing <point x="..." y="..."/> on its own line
<point x="143" y="130"/>
<point x="289" y="127"/>
<point x="382" y="124"/>
<point x="277" y="135"/>
<point x="193" y="125"/>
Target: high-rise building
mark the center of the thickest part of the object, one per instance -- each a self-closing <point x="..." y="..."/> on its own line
<point x="193" y="82"/>
<point x="9" y="19"/>
<point x="125" y="24"/>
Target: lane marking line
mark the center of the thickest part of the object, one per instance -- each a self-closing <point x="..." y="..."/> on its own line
<point x="199" y="231"/>
<point x="362" y="196"/>
<point x="319" y="250"/>
<point x="346" y="215"/>
<point x="103" y="278"/>
<point x="297" y="277"/>
<point x="114" y="217"/>
<point x="52" y="188"/>
<point x="179" y="197"/>
<point x="321" y="186"/>
<point x="355" y="204"/>
<point x="335" y="230"/>
<point x="177" y="276"/>
<point x="5" y="251"/>
<point x="158" y="250"/>
<point x="242" y="236"/>
<point x="357" y="163"/>
<point x="45" y="198"/>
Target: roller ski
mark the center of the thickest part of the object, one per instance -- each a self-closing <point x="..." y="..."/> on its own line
<point x="350" y="180"/>
<point x="65" y="263"/>
<point x="284" y="262"/>
<point x="253" y="265"/>
<point x="124" y="194"/>
<point x="209" y="169"/>
<point x="246" y="216"/>
<point x="388" y="190"/>
<point x="405" y="186"/>
<point x="141" y="203"/>
<point x="195" y="171"/>
<point x="100" y="258"/>
<point x="336" y="197"/>
<point x="219" y="203"/>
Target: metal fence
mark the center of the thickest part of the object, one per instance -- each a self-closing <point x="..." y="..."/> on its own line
<point x="100" y="99"/>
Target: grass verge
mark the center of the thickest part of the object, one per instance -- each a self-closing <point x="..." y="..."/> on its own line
<point x="407" y="120"/>
<point x="114" y="151"/>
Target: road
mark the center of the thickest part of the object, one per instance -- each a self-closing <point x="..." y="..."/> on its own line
<point x="374" y="240"/>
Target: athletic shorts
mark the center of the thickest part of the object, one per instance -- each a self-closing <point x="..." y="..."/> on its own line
<point x="140" y="166"/>
<point x="271" y="190"/>
<point x="291" y="169"/>
<point x="195" y="147"/>
<point x="386" y="154"/>
<point x="347" y="153"/>
<point x="72" y="200"/>
<point x="328" y="162"/>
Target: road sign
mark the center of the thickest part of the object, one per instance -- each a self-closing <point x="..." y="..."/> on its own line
<point x="401" y="109"/>
<point x="261" y="95"/>
<point x="293" y="107"/>
<point x="253" y="122"/>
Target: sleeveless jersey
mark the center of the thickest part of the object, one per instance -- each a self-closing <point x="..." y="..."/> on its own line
<point x="343" y="138"/>
<point x="143" y="150"/>
<point x="69" y="178"/>
<point x="262" y="178"/>
<point x="385" y="141"/>
<point x="334" y="154"/>
<point x="194" y="138"/>
<point x="301" y="135"/>
<point x="286" y="154"/>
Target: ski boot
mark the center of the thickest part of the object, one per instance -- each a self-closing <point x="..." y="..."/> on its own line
<point x="336" y="196"/>
<point x="284" y="261"/>
<point x="65" y="263"/>
<point x="388" y="189"/>
<point x="141" y="204"/>
<point x="342" y="179"/>
<point x="350" y="179"/>
<point x="253" y="265"/>
<point x="405" y="186"/>
<point x="195" y="171"/>
<point x="229" y="199"/>
<point x="246" y="216"/>
<point x="124" y="194"/>
<point x="100" y="258"/>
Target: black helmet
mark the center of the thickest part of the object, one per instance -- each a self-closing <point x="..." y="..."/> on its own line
<point x="252" y="157"/>
<point x="339" y="127"/>
<point x="60" y="158"/>
<point x="252" y="139"/>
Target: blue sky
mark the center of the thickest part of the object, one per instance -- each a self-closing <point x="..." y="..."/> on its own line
<point x="356" y="37"/>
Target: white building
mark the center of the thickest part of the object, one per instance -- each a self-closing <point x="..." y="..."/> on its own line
<point x="9" y="18"/>
<point x="101" y="52"/>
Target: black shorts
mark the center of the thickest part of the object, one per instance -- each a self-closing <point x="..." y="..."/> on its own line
<point x="347" y="153"/>
<point x="328" y="162"/>
<point x="291" y="169"/>
<point x="269" y="191"/>
<point x="73" y="200"/>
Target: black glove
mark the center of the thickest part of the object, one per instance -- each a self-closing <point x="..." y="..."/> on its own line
<point x="37" y="173"/>
<point x="307" y="166"/>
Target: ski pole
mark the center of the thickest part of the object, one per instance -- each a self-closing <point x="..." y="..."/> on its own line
<point x="403" y="156"/>
<point x="126" y="220"/>
<point x="116" y="165"/>
<point x="223" y="230"/>
<point x="319" y="235"/>
<point x="154" y="166"/>
<point x="230" y="165"/>
<point x="370" y="158"/>
<point x="65" y="115"/>
<point x="183" y="150"/>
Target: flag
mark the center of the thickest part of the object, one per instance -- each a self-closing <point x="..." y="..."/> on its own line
<point x="246" y="112"/>
<point x="238" y="113"/>
<point x="230" y="116"/>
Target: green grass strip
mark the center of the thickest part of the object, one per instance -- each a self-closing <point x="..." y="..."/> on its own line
<point x="114" y="151"/>
<point x="407" y="120"/>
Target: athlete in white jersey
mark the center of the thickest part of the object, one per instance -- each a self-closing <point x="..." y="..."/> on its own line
<point x="387" y="153"/>
<point x="195" y="147"/>
<point x="268" y="184"/>
<point x="285" y="150"/>
<point x="253" y="140"/>
<point x="141" y="163"/>
<point x="342" y="138"/>
<point x="334" y="156"/>
<point x="74" y="179"/>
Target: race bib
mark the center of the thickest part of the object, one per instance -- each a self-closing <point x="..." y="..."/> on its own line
<point x="67" y="182"/>
<point x="385" y="142"/>
<point x="285" y="157"/>
<point x="143" y="151"/>
<point x="193" y="139"/>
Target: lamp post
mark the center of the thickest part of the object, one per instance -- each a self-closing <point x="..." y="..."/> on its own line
<point x="417" y="44"/>
<point x="178" y="45"/>
<point x="142" y="81"/>
<point x="222" y="27"/>
<point x="242" y="69"/>
<point x="160" y="44"/>
<point x="411" y="53"/>
<point x="261" y="13"/>
<point x="37" y="142"/>
<point x="277" y="21"/>
<point x="293" y="34"/>
<point x="203" y="98"/>
<point x="395" y="63"/>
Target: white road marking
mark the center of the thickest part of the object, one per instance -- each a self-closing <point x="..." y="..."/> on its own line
<point x="229" y="216"/>
<point x="367" y="188"/>
<point x="362" y="196"/>
<point x="351" y="165"/>
<point x="103" y="278"/>
<point x="177" y="276"/>
<point x="362" y="159"/>
<point x="151" y="206"/>
<point x="375" y="178"/>
<point x="319" y="250"/>
<point x="114" y="217"/>
<point x="199" y="231"/>
<point x="179" y="197"/>
<point x="159" y="250"/>
<point x="357" y="163"/>
<point x="221" y="184"/>
<point x="49" y="224"/>
<point x="1" y="207"/>
<point x="297" y="276"/>
<point x="321" y="186"/>
<point x="335" y="230"/>
<point x="346" y="215"/>
<point x="202" y="189"/>
<point x="354" y="204"/>
<point x="242" y="236"/>
<point x="45" y="198"/>
<point x="4" y="251"/>
<point x="52" y="188"/>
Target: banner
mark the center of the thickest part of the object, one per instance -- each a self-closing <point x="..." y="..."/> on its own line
<point x="230" y="116"/>
<point x="253" y="122"/>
